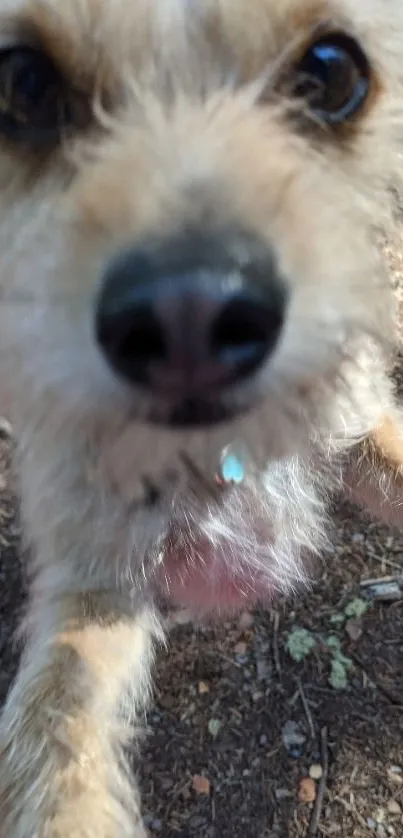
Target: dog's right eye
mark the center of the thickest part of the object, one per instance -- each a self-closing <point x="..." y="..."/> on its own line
<point x="333" y="77"/>
<point x="35" y="100"/>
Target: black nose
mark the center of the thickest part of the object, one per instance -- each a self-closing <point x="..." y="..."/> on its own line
<point x="186" y="322"/>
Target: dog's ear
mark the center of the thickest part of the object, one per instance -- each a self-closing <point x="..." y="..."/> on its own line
<point x="374" y="474"/>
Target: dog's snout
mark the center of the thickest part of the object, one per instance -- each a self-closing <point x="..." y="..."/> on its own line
<point x="186" y="324"/>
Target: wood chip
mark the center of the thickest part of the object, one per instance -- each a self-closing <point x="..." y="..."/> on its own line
<point x="307" y="790"/>
<point x="200" y="784"/>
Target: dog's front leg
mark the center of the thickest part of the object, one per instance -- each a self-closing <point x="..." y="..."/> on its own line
<point x="62" y="732"/>
<point x="374" y="475"/>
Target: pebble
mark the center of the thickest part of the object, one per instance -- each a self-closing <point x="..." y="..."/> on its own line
<point x="293" y="738"/>
<point x="307" y="790"/>
<point x="315" y="771"/>
<point x="394" y="807"/>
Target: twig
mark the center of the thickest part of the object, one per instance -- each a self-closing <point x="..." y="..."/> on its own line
<point x="392" y="697"/>
<point x="307" y="711"/>
<point x="317" y="811"/>
<point x="276" y="654"/>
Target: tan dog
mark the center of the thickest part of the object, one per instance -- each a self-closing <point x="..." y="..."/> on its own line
<point x="190" y="195"/>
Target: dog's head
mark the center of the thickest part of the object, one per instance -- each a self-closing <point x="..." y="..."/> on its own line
<point x="188" y="195"/>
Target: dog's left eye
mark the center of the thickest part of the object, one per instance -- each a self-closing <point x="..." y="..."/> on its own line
<point x="333" y="77"/>
<point x="34" y="97"/>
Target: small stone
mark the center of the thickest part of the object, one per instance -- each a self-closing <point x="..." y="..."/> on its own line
<point x="240" y="648"/>
<point x="293" y="738"/>
<point x="315" y="771"/>
<point x="394" y="807"/>
<point x="371" y="824"/>
<point x="200" y="784"/>
<point x="395" y="775"/>
<point x="354" y="628"/>
<point x="203" y="687"/>
<point x="307" y="790"/>
<point x="156" y="826"/>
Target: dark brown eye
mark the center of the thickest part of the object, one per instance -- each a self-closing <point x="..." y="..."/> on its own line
<point x="334" y="78"/>
<point x="34" y="98"/>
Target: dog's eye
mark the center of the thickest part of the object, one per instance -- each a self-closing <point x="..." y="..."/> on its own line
<point x="333" y="77"/>
<point x="34" y="101"/>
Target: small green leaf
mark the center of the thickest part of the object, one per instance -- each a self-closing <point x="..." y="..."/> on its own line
<point x="337" y="619"/>
<point x="333" y="642"/>
<point x="338" y="675"/>
<point x="356" y="608"/>
<point x="299" y="644"/>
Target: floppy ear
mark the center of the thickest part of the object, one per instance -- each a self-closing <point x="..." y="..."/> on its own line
<point x="374" y="473"/>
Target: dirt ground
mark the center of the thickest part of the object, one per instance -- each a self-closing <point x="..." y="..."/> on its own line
<point x="238" y="725"/>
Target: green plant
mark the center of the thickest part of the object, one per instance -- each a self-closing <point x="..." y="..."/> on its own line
<point x="301" y="642"/>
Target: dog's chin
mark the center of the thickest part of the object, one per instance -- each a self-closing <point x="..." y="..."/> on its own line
<point x="197" y="413"/>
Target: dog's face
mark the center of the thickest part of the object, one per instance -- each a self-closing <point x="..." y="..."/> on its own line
<point x="187" y="198"/>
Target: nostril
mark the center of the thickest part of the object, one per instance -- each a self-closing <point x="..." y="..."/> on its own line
<point x="244" y="332"/>
<point x="135" y="340"/>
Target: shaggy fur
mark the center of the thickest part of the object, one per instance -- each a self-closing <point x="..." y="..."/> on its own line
<point x="182" y="122"/>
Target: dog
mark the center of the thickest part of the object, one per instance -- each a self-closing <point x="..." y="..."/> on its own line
<point x="197" y="332"/>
